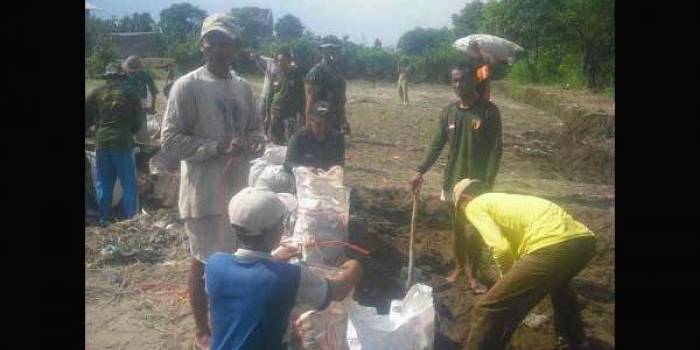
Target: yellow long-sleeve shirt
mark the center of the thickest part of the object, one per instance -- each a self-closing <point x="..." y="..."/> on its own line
<point x="515" y="225"/>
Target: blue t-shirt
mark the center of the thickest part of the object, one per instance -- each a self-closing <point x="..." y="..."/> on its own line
<point x="250" y="301"/>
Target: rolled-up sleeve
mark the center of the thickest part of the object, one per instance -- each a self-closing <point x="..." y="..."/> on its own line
<point x="177" y="139"/>
<point x="314" y="290"/>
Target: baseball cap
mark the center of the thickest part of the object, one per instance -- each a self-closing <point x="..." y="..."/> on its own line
<point x="254" y="210"/>
<point x="222" y="23"/>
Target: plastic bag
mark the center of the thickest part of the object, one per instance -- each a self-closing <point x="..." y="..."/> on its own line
<point x="117" y="193"/>
<point x="322" y="330"/>
<point x="276" y="179"/>
<point x="290" y="201"/>
<point x="412" y="327"/>
<point x="491" y="47"/>
<point x="322" y="214"/>
<point x="274" y="155"/>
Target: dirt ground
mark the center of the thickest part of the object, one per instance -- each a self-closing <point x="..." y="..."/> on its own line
<point x="138" y="300"/>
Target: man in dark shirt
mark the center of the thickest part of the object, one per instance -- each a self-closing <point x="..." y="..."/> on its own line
<point x="325" y="82"/>
<point x="116" y="110"/>
<point x="471" y="127"/>
<point x="287" y="103"/>
<point x="317" y="145"/>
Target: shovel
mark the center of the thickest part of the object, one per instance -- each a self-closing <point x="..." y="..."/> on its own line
<point x="410" y="277"/>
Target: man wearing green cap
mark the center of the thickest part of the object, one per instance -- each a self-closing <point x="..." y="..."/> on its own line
<point x="325" y="82"/>
<point x="471" y="127"/>
<point x="538" y="248"/>
<point x="116" y="110"/>
<point x="211" y="127"/>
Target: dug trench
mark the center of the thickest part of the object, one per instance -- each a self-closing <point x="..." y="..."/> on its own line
<point x="380" y="222"/>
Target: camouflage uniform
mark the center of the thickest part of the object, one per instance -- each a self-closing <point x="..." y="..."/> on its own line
<point x="287" y="105"/>
<point x="331" y="85"/>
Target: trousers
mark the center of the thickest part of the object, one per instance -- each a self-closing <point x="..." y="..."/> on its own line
<point x="112" y="165"/>
<point x="545" y="271"/>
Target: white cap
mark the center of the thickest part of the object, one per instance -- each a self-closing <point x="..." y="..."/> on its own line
<point x="254" y="210"/>
<point x="222" y="23"/>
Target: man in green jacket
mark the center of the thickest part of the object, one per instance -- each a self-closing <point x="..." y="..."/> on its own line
<point x="116" y="110"/>
<point x="472" y="129"/>
<point x="325" y="82"/>
<point x="287" y="104"/>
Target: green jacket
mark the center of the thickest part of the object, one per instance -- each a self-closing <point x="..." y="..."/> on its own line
<point x="116" y="110"/>
<point x="142" y="82"/>
<point x="473" y="153"/>
<point x="288" y="93"/>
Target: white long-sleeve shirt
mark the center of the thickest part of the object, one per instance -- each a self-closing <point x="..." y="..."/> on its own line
<point x="202" y="111"/>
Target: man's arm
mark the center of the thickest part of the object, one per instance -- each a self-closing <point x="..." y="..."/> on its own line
<point x="153" y="90"/>
<point x="135" y="112"/>
<point x="495" y="148"/>
<point x="293" y="156"/>
<point x="311" y="92"/>
<point x="254" y="129"/>
<point x="341" y="151"/>
<point x="178" y="124"/>
<point x="91" y="108"/>
<point x="491" y="234"/>
<point x="438" y="143"/>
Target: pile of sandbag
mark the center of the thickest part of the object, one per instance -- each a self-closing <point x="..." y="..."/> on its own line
<point x="268" y="171"/>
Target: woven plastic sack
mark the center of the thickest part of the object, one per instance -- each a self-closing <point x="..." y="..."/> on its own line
<point x="117" y="193"/>
<point x="321" y="330"/>
<point x="290" y="202"/>
<point x="322" y="214"/>
<point x="276" y="179"/>
<point x="491" y="47"/>
<point x="410" y="328"/>
<point x="274" y="155"/>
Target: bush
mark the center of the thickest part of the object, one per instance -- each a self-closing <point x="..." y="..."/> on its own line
<point x="187" y="55"/>
<point x="102" y="55"/>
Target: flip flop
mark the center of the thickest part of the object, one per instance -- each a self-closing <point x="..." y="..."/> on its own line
<point x="202" y="344"/>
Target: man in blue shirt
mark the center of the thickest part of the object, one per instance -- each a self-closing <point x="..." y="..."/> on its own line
<point x="252" y="292"/>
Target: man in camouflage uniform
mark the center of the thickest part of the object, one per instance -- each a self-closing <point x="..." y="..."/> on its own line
<point x="287" y="106"/>
<point x="116" y="109"/>
<point x="325" y="82"/>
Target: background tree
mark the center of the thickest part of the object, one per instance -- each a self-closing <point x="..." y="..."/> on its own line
<point x="420" y="41"/>
<point x="181" y="22"/>
<point x="254" y="24"/>
<point x="377" y="43"/>
<point x="288" y="27"/>
<point x="468" y="21"/>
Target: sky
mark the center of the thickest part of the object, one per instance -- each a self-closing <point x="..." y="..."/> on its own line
<point x="362" y="20"/>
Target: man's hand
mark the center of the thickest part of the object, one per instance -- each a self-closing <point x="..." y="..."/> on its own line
<point x="235" y="148"/>
<point x="416" y="181"/>
<point x="477" y="287"/>
<point x="258" y="149"/>
<point x="286" y="251"/>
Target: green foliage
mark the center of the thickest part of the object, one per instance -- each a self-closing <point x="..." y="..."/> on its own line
<point x="181" y="22"/>
<point x="421" y="41"/>
<point x="255" y="32"/>
<point x="138" y="22"/>
<point x="187" y="54"/>
<point x="102" y="55"/>
<point x="468" y="21"/>
<point x="288" y="27"/>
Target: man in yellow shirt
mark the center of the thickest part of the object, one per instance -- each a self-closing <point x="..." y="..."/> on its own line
<point x="538" y="248"/>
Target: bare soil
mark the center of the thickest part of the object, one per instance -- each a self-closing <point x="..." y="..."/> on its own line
<point x="136" y="298"/>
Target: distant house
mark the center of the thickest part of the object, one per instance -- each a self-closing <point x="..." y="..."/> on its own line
<point x="89" y="7"/>
<point x="143" y="44"/>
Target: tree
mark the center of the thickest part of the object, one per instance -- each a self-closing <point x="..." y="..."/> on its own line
<point x="377" y="44"/>
<point x="181" y="22"/>
<point x="468" y="21"/>
<point x="138" y="22"/>
<point x="420" y="41"/>
<point x="255" y="25"/>
<point x="288" y="27"/>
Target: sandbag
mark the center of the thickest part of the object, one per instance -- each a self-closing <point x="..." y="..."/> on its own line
<point x="321" y="330"/>
<point x="410" y="328"/>
<point x="276" y="179"/>
<point x="491" y="47"/>
<point x="117" y="193"/>
<point x="322" y="215"/>
<point x="274" y="155"/>
<point x="290" y="202"/>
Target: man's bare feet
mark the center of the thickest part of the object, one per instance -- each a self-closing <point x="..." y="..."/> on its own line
<point x="201" y="341"/>
<point x="453" y="276"/>
<point x="477" y="287"/>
